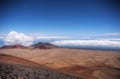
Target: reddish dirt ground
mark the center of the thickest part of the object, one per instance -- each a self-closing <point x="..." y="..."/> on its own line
<point x="16" y="60"/>
<point x="89" y="64"/>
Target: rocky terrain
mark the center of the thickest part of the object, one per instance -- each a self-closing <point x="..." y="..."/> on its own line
<point x="13" y="47"/>
<point x="44" y="45"/>
<point x="15" y="71"/>
<point x="86" y="64"/>
<point x="17" y="68"/>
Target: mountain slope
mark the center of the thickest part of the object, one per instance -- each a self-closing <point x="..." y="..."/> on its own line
<point x="43" y="45"/>
<point x="17" y="68"/>
<point x="90" y="64"/>
<point x="13" y="47"/>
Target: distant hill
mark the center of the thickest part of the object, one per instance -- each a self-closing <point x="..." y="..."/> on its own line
<point x="40" y="45"/>
<point x="13" y="46"/>
<point x="43" y="45"/>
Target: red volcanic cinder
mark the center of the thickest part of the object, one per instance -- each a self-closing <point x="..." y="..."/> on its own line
<point x="13" y="46"/>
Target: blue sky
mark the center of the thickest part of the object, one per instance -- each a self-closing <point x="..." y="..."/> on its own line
<point x="94" y="23"/>
<point x="60" y="17"/>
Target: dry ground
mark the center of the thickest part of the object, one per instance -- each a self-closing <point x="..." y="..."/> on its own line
<point x="90" y="64"/>
<point x="17" y="68"/>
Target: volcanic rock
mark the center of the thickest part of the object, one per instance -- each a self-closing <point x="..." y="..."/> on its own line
<point x="13" y="47"/>
<point x="43" y="45"/>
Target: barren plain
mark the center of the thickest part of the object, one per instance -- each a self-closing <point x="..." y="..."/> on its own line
<point x="87" y="64"/>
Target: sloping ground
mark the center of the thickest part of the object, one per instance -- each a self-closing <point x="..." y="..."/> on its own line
<point x="15" y="71"/>
<point x="43" y="45"/>
<point x="16" y="60"/>
<point x="61" y="57"/>
<point x="91" y="72"/>
<point x="90" y="64"/>
<point x="17" y="68"/>
<point x="13" y="47"/>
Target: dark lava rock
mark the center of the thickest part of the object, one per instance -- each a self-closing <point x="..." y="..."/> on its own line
<point x="14" y="71"/>
<point x="43" y="45"/>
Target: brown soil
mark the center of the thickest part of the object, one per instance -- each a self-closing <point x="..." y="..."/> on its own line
<point x="16" y="60"/>
<point x="89" y="64"/>
<point x="12" y="67"/>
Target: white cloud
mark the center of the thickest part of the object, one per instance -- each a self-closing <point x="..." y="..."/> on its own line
<point x="51" y="37"/>
<point x="107" y="35"/>
<point x="1" y="37"/>
<point x="14" y="38"/>
<point x="111" y="34"/>
<point x="100" y="43"/>
<point x="112" y="39"/>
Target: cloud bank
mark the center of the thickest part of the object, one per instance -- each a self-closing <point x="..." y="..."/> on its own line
<point x="94" y="43"/>
<point x="51" y="37"/>
<point x="15" y="38"/>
